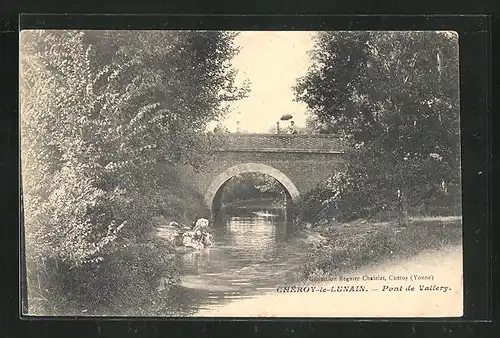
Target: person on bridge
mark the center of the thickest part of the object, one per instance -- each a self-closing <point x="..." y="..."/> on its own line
<point x="291" y="128"/>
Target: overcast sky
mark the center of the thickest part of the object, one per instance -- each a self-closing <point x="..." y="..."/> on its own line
<point x="272" y="61"/>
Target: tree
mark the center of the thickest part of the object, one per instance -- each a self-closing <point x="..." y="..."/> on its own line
<point x="98" y="111"/>
<point x="393" y="96"/>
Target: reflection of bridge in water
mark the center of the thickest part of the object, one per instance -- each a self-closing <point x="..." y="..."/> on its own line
<point x="298" y="162"/>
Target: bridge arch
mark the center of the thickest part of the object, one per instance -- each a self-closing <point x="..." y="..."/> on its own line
<point x="227" y="174"/>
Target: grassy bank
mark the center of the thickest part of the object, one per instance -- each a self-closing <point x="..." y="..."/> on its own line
<point x="344" y="247"/>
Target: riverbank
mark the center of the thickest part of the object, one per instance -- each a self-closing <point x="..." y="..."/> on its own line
<point x="427" y="246"/>
<point x="337" y="248"/>
<point x="444" y="265"/>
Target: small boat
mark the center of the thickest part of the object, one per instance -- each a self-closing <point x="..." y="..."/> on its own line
<point x="263" y="214"/>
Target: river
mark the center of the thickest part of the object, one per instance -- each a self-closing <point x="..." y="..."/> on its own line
<point x="253" y="253"/>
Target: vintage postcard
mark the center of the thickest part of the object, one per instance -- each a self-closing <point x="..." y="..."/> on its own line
<point x="241" y="173"/>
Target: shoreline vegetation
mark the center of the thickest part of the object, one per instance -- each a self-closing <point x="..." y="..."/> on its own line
<point x="99" y="111"/>
<point x="336" y="248"/>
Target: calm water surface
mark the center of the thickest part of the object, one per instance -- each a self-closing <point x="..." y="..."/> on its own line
<point x="253" y="253"/>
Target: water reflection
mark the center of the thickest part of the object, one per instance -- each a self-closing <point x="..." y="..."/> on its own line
<point x="253" y="252"/>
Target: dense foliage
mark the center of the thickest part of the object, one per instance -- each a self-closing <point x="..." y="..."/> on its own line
<point x="98" y="110"/>
<point x="394" y="98"/>
<point x="250" y="186"/>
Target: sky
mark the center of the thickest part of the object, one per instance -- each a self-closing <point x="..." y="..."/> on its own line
<point x="272" y="61"/>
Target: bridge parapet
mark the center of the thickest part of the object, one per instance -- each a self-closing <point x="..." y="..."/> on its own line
<point x="298" y="162"/>
<point x="302" y="143"/>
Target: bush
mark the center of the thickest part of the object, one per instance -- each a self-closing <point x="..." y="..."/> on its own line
<point x="130" y="281"/>
<point x="440" y="203"/>
<point x="312" y="206"/>
<point x="341" y="199"/>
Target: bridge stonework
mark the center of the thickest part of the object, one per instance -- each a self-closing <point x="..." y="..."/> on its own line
<point x="299" y="162"/>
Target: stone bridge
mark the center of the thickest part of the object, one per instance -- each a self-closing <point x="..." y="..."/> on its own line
<point x="298" y="162"/>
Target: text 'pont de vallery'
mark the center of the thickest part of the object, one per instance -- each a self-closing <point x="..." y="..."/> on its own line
<point x="390" y="283"/>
